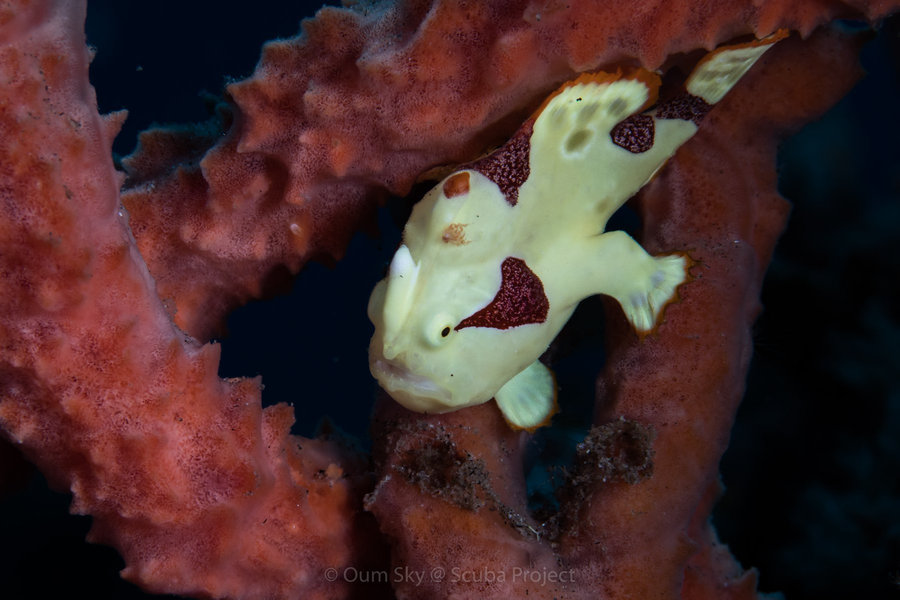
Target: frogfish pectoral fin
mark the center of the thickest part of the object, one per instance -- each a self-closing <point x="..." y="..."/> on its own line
<point x="528" y="400"/>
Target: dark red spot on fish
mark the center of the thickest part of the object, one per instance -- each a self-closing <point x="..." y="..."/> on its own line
<point x="457" y="185"/>
<point x="521" y="300"/>
<point x="508" y="165"/>
<point x="635" y="133"/>
<point x="686" y="107"/>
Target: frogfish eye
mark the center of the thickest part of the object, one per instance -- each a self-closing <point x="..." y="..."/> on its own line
<point x="438" y="330"/>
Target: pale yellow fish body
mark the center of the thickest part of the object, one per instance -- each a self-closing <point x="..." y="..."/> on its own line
<point x="497" y="256"/>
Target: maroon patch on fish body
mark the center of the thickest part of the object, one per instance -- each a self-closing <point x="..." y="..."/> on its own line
<point x="508" y="165"/>
<point x="634" y="134"/>
<point x="686" y="107"/>
<point x="519" y="301"/>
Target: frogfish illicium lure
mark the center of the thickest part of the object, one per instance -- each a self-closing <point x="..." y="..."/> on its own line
<point x="496" y="257"/>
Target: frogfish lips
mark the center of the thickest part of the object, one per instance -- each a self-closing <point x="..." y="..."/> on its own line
<point x="415" y="392"/>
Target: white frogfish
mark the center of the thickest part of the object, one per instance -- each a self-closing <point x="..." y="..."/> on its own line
<point x="495" y="258"/>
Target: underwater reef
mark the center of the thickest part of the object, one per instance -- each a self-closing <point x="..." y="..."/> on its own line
<point x="110" y="385"/>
